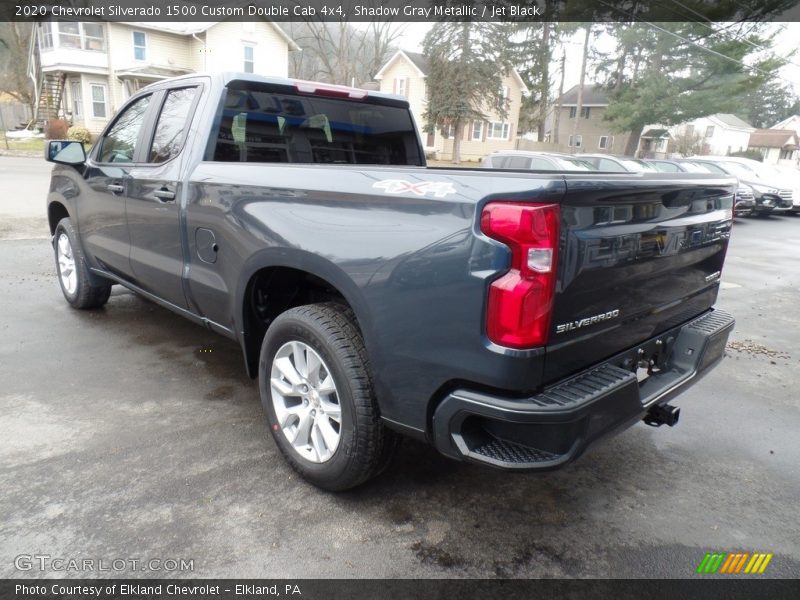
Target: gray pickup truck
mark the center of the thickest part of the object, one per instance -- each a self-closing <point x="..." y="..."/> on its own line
<point x="508" y="318"/>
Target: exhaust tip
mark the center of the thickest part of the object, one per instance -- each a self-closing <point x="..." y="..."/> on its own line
<point x="662" y="414"/>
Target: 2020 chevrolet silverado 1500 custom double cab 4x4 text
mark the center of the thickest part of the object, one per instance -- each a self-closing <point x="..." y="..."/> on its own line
<point x="508" y="318"/>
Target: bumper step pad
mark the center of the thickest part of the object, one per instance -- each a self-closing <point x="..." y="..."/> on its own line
<point x="513" y="453"/>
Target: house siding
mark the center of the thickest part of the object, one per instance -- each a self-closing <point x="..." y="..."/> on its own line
<point x="416" y="93"/>
<point x="724" y="139"/>
<point x="219" y="48"/>
<point x="590" y="129"/>
<point x="224" y="49"/>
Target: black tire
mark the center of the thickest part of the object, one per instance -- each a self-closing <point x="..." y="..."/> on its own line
<point x="85" y="295"/>
<point x="365" y="446"/>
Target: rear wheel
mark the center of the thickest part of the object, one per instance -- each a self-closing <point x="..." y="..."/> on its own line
<point x="73" y="275"/>
<point x="318" y="396"/>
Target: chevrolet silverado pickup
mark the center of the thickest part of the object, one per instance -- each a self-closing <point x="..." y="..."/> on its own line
<point x="508" y="318"/>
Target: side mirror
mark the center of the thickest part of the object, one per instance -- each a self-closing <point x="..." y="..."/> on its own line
<point x="65" y="152"/>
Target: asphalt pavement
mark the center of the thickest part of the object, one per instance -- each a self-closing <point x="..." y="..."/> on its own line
<point x="130" y="433"/>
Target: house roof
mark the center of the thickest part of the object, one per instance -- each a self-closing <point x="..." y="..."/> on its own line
<point x="773" y="138"/>
<point x="188" y="28"/>
<point x="417" y="60"/>
<point x="420" y="62"/>
<point x="786" y="122"/>
<point x="731" y="120"/>
<point x="152" y="72"/>
<point x="593" y="95"/>
<point x="656" y="133"/>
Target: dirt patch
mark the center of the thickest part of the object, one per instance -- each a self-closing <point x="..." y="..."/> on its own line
<point x="24" y="228"/>
<point x="754" y="349"/>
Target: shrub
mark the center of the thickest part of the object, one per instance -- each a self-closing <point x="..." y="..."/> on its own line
<point x="752" y="154"/>
<point x="79" y="134"/>
<point x="55" y="129"/>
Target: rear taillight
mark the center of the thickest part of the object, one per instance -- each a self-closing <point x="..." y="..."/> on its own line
<point x="521" y="301"/>
<point x="331" y="91"/>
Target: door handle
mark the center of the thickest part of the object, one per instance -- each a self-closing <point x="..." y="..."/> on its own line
<point x="115" y="188"/>
<point x="164" y="195"/>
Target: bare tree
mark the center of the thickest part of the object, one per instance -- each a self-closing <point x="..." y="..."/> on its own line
<point x="687" y="143"/>
<point x="337" y="52"/>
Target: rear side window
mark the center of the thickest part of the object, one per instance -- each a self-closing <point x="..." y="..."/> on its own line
<point x="263" y="126"/>
<point x="541" y="164"/>
<point x="119" y="144"/>
<point x="667" y="167"/>
<point x="609" y="165"/>
<point x="172" y="124"/>
<point x="518" y="162"/>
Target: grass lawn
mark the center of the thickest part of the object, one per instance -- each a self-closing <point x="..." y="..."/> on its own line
<point x="27" y="145"/>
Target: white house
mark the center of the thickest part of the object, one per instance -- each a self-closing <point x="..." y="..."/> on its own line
<point x="85" y="71"/>
<point x="720" y="134"/>
<point x="777" y="146"/>
<point x="405" y="74"/>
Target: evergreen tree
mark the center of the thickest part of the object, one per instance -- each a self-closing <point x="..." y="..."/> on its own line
<point x="467" y="62"/>
<point x="668" y="73"/>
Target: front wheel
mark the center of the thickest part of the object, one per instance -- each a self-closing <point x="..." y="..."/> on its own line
<point x="317" y="393"/>
<point x="73" y="275"/>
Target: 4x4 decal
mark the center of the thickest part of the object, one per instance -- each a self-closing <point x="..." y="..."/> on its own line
<point x="439" y="189"/>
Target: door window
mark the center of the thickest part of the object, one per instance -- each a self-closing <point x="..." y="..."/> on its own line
<point x="119" y="144"/>
<point x="172" y="124"/>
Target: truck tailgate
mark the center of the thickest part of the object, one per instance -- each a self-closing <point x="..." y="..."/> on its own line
<point x="637" y="256"/>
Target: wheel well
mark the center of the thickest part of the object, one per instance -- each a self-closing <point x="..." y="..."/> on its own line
<point x="274" y="290"/>
<point x="55" y="212"/>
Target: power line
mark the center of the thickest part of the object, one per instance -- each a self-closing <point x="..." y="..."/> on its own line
<point x="693" y="43"/>
<point x="734" y="37"/>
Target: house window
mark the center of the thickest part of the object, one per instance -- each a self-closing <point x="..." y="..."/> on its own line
<point x="98" y="101"/>
<point x="400" y="86"/>
<point x="77" y="100"/>
<point x="69" y="35"/>
<point x="710" y="131"/>
<point x="449" y="131"/>
<point x="139" y="45"/>
<point x="573" y="110"/>
<point x="575" y="141"/>
<point x="603" y="142"/>
<point x="47" y="35"/>
<point x="785" y="154"/>
<point x="93" y="37"/>
<point x="477" y="130"/>
<point x="497" y="130"/>
<point x="249" y="61"/>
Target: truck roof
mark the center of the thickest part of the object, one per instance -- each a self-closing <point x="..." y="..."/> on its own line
<point x="226" y="77"/>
